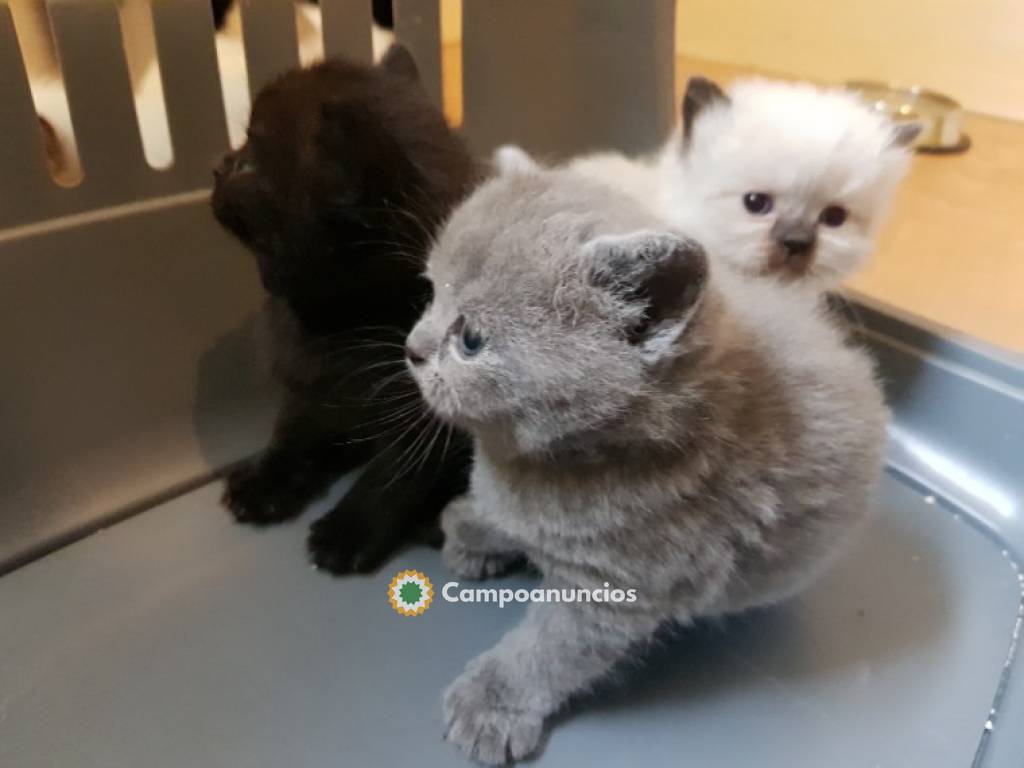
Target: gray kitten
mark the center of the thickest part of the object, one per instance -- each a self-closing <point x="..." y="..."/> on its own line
<point x="703" y="438"/>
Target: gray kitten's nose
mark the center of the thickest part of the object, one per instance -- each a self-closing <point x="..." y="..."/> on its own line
<point x="414" y="355"/>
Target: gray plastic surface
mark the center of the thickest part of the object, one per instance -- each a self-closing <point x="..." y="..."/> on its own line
<point x="179" y="639"/>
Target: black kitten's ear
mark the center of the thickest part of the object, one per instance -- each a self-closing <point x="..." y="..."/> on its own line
<point x="398" y="61"/>
<point x="903" y="135"/>
<point x="700" y="94"/>
<point x="661" y="275"/>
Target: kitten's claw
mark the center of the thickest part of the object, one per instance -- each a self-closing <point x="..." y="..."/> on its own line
<point x="484" y="716"/>
<point x="253" y="499"/>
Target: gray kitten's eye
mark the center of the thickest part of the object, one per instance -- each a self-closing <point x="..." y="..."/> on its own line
<point x="470" y="340"/>
<point x="833" y="216"/>
<point x="758" y="203"/>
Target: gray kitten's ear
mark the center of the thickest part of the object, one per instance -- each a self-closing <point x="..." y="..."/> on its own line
<point x="903" y="135"/>
<point x="700" y="94"/>
<point x="660" y="274"/>
<point x="513" y="159"/>
<point x="398" y="61"/>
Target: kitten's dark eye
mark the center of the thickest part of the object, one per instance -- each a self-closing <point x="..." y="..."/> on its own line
<point x="471" y="341"/>
<point x="757" y="203"/>
<point x="833" y="216"/>
<point x="246" y="165"/>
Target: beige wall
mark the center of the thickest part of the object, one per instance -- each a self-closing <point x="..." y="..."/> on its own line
<point x="971" y="49"/>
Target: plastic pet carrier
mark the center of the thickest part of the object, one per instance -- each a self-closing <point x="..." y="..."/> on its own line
<point x="139" y="626"/>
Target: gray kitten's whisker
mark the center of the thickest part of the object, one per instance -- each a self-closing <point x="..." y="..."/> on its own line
<point x="406" y="459"/>
<point x="416" y="428"/>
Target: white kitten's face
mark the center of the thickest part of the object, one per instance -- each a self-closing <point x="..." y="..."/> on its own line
<point x="784" y="180"/>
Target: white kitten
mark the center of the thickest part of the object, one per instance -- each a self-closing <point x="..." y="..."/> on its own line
<point x="782" y="179"/>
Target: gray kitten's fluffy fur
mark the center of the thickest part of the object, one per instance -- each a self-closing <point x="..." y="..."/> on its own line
<point x="703" y="438"/>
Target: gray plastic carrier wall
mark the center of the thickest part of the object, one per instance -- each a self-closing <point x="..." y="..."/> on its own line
<point x="172" y="637"/>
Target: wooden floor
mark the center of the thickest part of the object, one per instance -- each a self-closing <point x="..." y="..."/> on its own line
<point x="953" y="250"/>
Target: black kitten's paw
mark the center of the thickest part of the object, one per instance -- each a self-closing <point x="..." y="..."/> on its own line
<point x="342" y="547"/>
<point x="254" y="498"/>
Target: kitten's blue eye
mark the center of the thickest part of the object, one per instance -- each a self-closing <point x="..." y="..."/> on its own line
<point x="833" y="216"/>
<point x="757" y="203"/>
<point x="471" y="341"/>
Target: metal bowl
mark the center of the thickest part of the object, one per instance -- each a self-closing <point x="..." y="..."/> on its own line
<point x="941" y="118"/>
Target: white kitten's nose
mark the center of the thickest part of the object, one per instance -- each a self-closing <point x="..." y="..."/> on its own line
<point x="797" y="246"/>
<point x="796" y="237"/>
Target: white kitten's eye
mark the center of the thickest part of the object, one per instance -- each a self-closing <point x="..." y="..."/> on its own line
<point x="833" y="216"/>
<point x="757" y="203"/>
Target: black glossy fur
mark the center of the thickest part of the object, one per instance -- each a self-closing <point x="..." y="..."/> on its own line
<point x="346" y="175"/>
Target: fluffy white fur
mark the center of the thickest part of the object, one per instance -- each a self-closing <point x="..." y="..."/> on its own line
<point x="807" y="147"/>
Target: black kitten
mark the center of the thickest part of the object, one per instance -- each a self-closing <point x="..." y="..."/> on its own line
<point x="347" y="172"/>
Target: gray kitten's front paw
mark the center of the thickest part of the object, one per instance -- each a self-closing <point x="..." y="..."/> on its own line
<point x="471" y="549"/>
<point x="476" y="565"/>
<point x="485" y="716"/>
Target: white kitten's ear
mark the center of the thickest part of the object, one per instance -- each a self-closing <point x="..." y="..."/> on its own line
<point x="903" y="135"/>
<point x="700" y="94"/>
<point x="661" y="275"/>
<point x="399" y="62"/>
<point x="513" y="159"/>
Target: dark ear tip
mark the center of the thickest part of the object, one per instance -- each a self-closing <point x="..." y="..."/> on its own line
<point x="699" y="82"/>
<point x="700" y="93"/>
<point x="703" y="89"/>
<point x="399" y="61"/>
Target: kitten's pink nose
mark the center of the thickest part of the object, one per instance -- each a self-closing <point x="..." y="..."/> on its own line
<point x="413" y="355"/>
